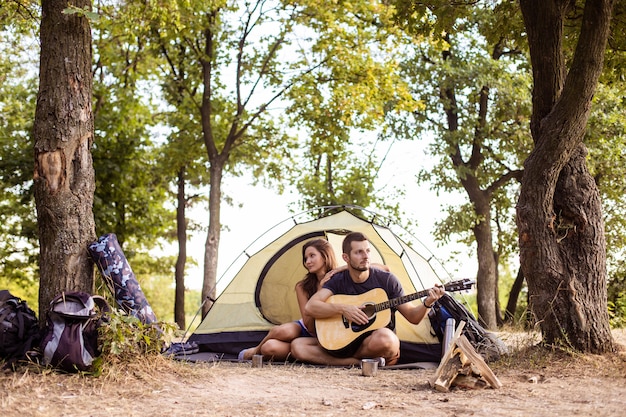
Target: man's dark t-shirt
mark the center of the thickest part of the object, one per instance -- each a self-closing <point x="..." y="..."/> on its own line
<point x="341" y="283"/>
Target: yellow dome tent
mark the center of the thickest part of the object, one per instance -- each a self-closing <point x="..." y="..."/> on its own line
<point x="262" y="294"/>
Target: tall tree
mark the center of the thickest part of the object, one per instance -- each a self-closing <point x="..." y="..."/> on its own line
<point x="18" y="88"/>
<point x="231" y="73"/>
<point x="559" y="213"/>
<point x="130" y="194"/>
<point x="63" y="136"/>
<point x="470" y="75"/>
<point x="183" y="157"/>
<point x="131" y="187"/>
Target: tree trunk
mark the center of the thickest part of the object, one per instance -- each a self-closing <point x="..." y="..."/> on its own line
<point x="486" y="276"/>
<point x="496" y="295"/>
<point x="213" y="238"/>
<point x="63" y="134"/>
<point x="217" y="161"/>
<point x="559" y="215"/>
<point x="181" y="232"/>
<point x="516" y="289"/>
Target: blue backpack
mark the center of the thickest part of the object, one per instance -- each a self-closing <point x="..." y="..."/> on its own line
<point x="485" y="342"/>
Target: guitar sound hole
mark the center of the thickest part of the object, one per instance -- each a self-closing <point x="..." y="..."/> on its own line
<point x="369" y="309"/>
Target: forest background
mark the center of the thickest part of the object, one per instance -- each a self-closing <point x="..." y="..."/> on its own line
<point x="304" y="99"/>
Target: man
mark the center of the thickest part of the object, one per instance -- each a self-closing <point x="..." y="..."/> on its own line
<point x="359" y="278"/>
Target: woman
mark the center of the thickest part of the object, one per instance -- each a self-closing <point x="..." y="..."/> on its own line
<point x="319" y="259"/>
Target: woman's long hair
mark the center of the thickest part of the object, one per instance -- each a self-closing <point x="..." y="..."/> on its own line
<point x="309" y="283"/>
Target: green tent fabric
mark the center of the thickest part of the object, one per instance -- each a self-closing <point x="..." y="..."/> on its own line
<point x="262" y="294"/>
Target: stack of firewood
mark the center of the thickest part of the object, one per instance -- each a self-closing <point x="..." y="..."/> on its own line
<point x="463" y="367"/>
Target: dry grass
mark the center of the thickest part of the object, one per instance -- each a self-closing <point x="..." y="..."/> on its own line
<point x="535" y="382"/>
<point x="526" y="353"/>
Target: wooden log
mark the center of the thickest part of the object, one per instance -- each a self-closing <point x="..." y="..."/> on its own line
<point x="447" y="374"/>
<point x="450" y="351"/>
<point x="469" y="382"/>
<point x="461" y="359"/>
<point x="443" y="383"/>
<point x="477" y="362"/>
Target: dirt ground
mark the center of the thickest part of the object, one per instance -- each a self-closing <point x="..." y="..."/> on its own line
<point x="532" y="385"/>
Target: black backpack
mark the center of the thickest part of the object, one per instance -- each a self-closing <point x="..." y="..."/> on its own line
<point x="70" y="341"/>
<point x="19" y="328"/>
<point x="485" y="342"/>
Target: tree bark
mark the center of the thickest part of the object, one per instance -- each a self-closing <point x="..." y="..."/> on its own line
<point x="487" y="267"/>
<point x="181" y="232"/>
<point x="486" y="278"/>
<point x="213" y="237"/>
<point x="559" y="213"/>
<point x="63" y="135"/>
<point x="216" y="161"/>
<point x="516" y="289"/>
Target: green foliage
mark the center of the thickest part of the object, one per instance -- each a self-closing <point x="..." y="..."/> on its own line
<point x="347" y="99"/>
<point x="617" y="312"/>
<point x="18" y="229"/>
<point x="474" y="55"/>
<point x="92" y="16"/>
<point x="131" y="183"/>
<point x="124" y="338"/>
<point x="472" y="75"/>
<point x="159" y="288"/>
<point x="19" y="16"/>
<point x="616" y="292"/>
<point x="25" y="286"/>
<point x="227" y="113"/>
<point x="130" y="195"/>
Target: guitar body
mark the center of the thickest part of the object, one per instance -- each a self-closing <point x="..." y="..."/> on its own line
<point x="335" y="333"/>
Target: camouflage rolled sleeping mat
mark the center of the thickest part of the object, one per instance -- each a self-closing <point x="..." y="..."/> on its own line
<point x="119" y="277"/>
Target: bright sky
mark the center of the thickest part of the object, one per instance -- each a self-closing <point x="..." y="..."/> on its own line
<point x="263" y="208"/>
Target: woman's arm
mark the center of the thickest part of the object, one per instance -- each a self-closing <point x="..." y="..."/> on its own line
<point x="303" y="298"/>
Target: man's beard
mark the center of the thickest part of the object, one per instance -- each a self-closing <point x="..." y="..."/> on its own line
<point x="360" y="268"/>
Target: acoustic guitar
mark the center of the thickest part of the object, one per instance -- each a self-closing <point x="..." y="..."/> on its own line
<point x="337" y="332"/>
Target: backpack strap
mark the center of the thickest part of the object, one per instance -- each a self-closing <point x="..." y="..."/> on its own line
<point x="19" y="309"/>
<point x="102" y="304"/>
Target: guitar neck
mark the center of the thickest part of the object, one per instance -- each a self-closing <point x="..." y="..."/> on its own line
<point x="400" y="300"/>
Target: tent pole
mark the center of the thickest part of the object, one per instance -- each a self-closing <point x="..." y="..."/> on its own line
<point x="198" y="312"/>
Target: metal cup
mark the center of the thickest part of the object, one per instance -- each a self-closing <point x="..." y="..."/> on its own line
<point x="257" y="361"/>
<point x="369" y="367"/>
